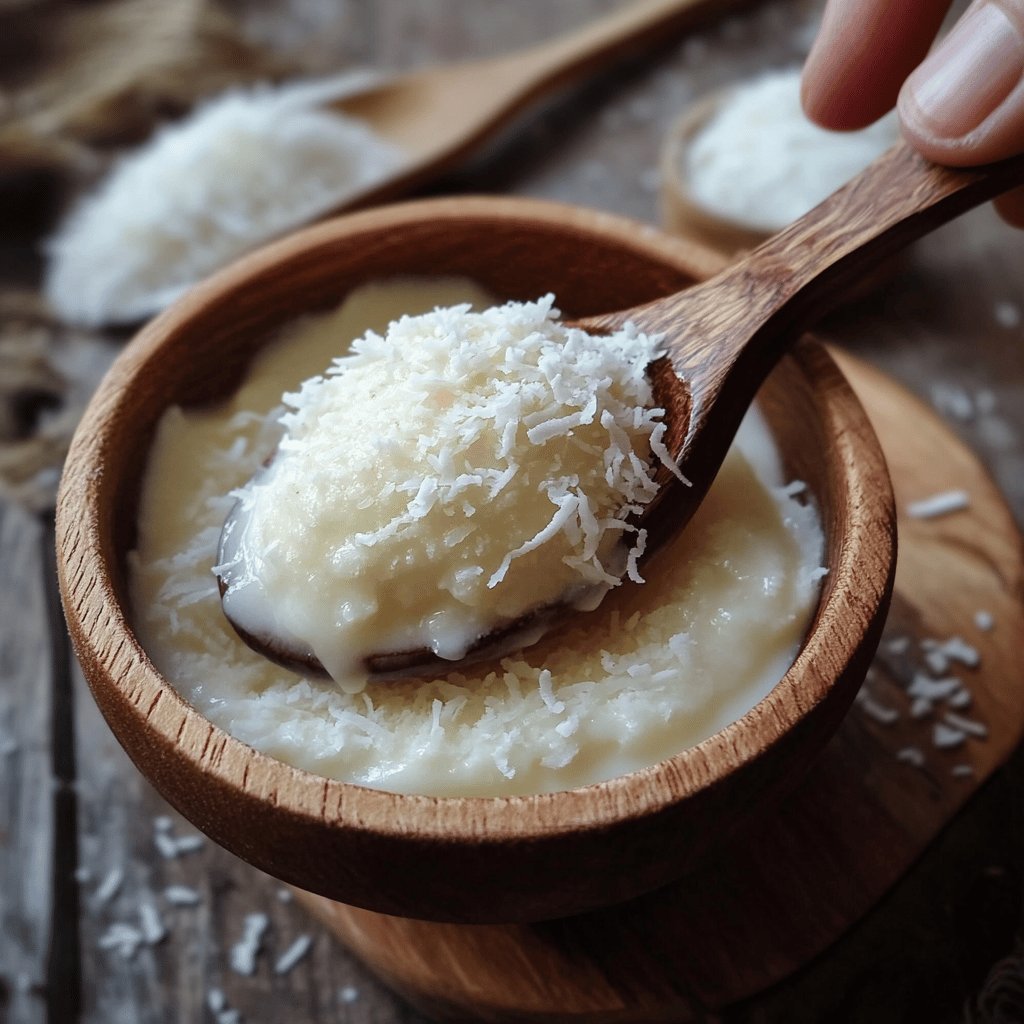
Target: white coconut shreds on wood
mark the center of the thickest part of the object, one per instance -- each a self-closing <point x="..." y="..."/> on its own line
<point x="241" y="170"/>
<point x="444" y="480"/>
<point x="656" y="668"/>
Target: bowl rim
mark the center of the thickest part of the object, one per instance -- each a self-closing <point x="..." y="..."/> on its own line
<point x="127" y="684"/>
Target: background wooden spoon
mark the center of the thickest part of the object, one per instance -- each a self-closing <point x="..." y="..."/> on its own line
<point x="441" y="115"/>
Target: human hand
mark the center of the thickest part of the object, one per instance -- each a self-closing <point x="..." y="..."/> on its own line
<point x="962" y="104"/>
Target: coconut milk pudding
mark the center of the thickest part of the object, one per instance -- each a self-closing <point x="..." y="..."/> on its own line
<point x="656" y="668"/>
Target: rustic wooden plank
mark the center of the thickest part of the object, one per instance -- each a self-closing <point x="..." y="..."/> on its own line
<point x="26" y="804"/>
<point x="123" y="824"/>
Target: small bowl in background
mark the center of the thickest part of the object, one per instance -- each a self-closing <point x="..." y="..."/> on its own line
<point x="467" y="859"/>
<point x="685" y="213"/>
<point x="681" y="212"/>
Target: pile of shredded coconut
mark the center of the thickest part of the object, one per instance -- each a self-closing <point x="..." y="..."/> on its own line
<point x="444" y="480"/>
<point x="655" y="669"/>
<point x="241" y="170"/>
<point x="760" y="162"/>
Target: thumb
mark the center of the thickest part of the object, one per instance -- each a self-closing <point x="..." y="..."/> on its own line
<point x="964" y="105"/>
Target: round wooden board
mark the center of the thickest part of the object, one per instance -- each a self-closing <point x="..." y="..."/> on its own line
<point x="836" y="846"/>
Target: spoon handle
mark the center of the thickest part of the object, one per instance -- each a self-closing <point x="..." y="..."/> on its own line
<point x="724" y="336"/>
<point x="754" y="309"/>
<point x="898" y="199"/>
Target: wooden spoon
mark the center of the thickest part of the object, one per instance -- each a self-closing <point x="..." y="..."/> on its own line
<point x="439" y="116"/>
<point x="723" y="337"/>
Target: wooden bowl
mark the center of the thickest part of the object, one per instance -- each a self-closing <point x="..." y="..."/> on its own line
<point x="462" y="859"/>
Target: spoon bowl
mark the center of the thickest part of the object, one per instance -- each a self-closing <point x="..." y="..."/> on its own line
<point x="471" y="859"/>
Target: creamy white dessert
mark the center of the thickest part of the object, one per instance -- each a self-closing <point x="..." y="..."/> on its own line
<point x="656" y="668"/>
<point x="444" y="483"/>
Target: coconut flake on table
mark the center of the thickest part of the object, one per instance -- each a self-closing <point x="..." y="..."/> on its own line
<point x="1007" y="314"/>
<point x="967" y="725"/>
<point x="939" y="653"/>
<point x="247" y="948"/>
<point x="181" y="896"/>
<point x="940" y="504"/>
<point x="911" y="755"/>
<point x="109" y="887"/>
<point x="242" y="169"/>
<point x="293" y="954"/>
<point x="875" y="709"/>
<point x="759" y="161"/>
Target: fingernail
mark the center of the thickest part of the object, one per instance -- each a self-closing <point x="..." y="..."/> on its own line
<point x="969" y="73"/>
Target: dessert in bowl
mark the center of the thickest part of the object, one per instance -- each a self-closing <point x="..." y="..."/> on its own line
<point x="505" y="857"/>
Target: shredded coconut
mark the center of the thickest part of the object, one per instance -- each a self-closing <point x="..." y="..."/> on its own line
<point x="940" y="504"/>
<point x="1007" y="314"/>
<point x="547" y="432"/>
<point x="984" y="620"/>
<point x="293" y="954"/>
<point x="967" y="725"/>
<point x="181" y="896"/>
<point x="911" y="755"/>
<point x="108" y="888"/>
<point x="169" y="846"/>
<point x="151" y="924"/>
<point x="244" y="952"/>
<point x="759" y="161"/>
<point x="953" y="400"/>
<point x="242" y="169"/>
<point x="939" y="654"/>
<point x="875" y="710"/>
<point x="123" y="938"/>
<point x="217" y="1004"/>
<point x="945" y="737"/>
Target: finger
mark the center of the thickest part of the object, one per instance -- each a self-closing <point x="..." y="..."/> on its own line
<point x="965" y="104"/>
<point x="864" y="51"/>
<point x="1011" y="207"/>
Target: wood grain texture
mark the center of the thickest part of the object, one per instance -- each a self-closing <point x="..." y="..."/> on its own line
<point x="771" y="902"/>
<point x="457" y="859"/>
<point x="26" y="806"/>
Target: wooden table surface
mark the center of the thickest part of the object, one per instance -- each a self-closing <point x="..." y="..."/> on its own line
<point x="83" y="839"/>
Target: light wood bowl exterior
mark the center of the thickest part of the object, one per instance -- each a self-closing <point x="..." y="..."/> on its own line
<point x="462" y="859"/>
